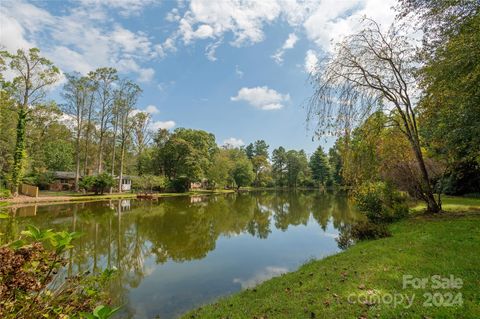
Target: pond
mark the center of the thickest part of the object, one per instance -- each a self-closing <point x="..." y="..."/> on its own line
<point x="175" y="254"/>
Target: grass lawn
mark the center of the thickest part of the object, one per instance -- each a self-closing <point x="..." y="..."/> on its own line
<point x="339" y="285"/>
<point x="454" y="204"/>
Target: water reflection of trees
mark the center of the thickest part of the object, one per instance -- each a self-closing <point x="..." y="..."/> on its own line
<point x="124" y="235"/>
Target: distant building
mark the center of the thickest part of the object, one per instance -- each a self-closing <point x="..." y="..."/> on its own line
<point x="199" y="185"/>
<point x="62" y="181"/>
<point x="65" y="181"/>
<point x="126" y="183"/>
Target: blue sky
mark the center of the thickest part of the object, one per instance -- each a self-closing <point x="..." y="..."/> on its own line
<point x="238" y="69"/>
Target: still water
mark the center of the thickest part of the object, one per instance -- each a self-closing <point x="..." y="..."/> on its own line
<point x="175" y="254"/>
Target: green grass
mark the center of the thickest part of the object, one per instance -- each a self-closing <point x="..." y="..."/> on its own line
<point x="420" y="247"/>
<point x="454" y="204"/>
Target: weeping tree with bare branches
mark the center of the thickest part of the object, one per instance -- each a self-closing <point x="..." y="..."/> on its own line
<point x="369" y="71"/>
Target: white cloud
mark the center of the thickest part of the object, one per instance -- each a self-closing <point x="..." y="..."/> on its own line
<point x="333" y="19"/>
<point x="322" y="20"/>
<point x="311" y="61"/>
<point x="260" y="276"/>
<point x="233" y="142"/>
<point x="238" y="72"/>
<point x="289" y="44"/>
<point x="124" y="7"/>
<point x="211" y="49"/>
<point x="244" y="19"/>
<point x="80" y="39"/>
<point x="152" y="109"/>
<point x="262" y="97"/>
<point x="163" y="125"/>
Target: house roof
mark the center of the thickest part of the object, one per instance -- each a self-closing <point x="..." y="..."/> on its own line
<point x="64" y="174"/>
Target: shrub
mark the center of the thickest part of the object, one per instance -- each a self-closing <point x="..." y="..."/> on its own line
<point x="43" y="180"/>
<point x="179" y="185"/>
<point x="32" y="287"/>
<point x="380" y="202"/>
<point x="5" y="193"/>
<point x="102" y="182"/>
<point x="369" y="230"/>
<point x="98" y="184"/>
<point x="149" y="183"/>
<point x="87" y="183"/>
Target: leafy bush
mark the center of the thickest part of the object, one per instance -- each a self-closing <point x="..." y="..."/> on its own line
<point x="87" y="183"/>
<point x="179" y="185"/>
<point x="5" y="193"/>
<point x="98" y="184"/>
<point x="149" y="183"/>
<point x="31" y="285"/>
<point x="43" y="180"/>
<point x="369" y="230"/>
<point x="103" y="182"/>
<point x="380" y="202"/>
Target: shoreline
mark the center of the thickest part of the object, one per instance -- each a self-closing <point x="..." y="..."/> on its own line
<point x="22" y="200"/>
<point x="337" y="286"/>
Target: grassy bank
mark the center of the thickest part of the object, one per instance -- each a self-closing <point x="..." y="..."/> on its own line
<point x="338" y="286"/>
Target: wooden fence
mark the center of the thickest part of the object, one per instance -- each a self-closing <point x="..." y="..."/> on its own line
<point x="29" y="190"/>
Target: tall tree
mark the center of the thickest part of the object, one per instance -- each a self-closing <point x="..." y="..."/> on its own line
<point x="127" y="99"/>
<point x="77" y="96"/>
<point x="90" y="125"/>
<point x="320" y="167"/>
<point x="279" y="166"/>
<point x="141" y="131"/>
<point x="259" y="158"/>
<point x="104" y="79"/>
<point x="33" y="74"/>
<point x="296" y="167"/>
<point x="369" y="70"/>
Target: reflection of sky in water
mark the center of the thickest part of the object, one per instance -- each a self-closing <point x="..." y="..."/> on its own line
<point x="181" y="253"/>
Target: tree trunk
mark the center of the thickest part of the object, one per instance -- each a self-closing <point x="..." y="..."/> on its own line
<point x="77" y="171"/>
<point x="87" y="139"/>
<point x="100" y="153"/>
<point x="120" y="174"/>
<point x="20" y="152"/>
<point x="432" y="205"/>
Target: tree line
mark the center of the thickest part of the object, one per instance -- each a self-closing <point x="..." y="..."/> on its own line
<point x="97" y="129"/>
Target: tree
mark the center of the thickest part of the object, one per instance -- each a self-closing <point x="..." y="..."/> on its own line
<point x="127" y="98"/>
<point x="33" y="74"/>
<point x="186" y="153"/>
<point x="296" y="167"/>
<point x="45" y="126"/>
<point x="320" y="167"/>
<point x="279" y="166"/>
<point x="77" y="94"/>
<point x="103" y="80"/>
<point x="8" y="121"/>
<point x="141" y="131"/>
<point x="220" y="172"/>
<point x="438" y="19"/>
<point x="58" y="156"/>
<point x="258" y="154"/>
<point x="370" y="70"/>
<point x="242" y="172"/>
<point x="149" y="183"/>
<point x="335" y="162"/>
<point x="449" y="108"/>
